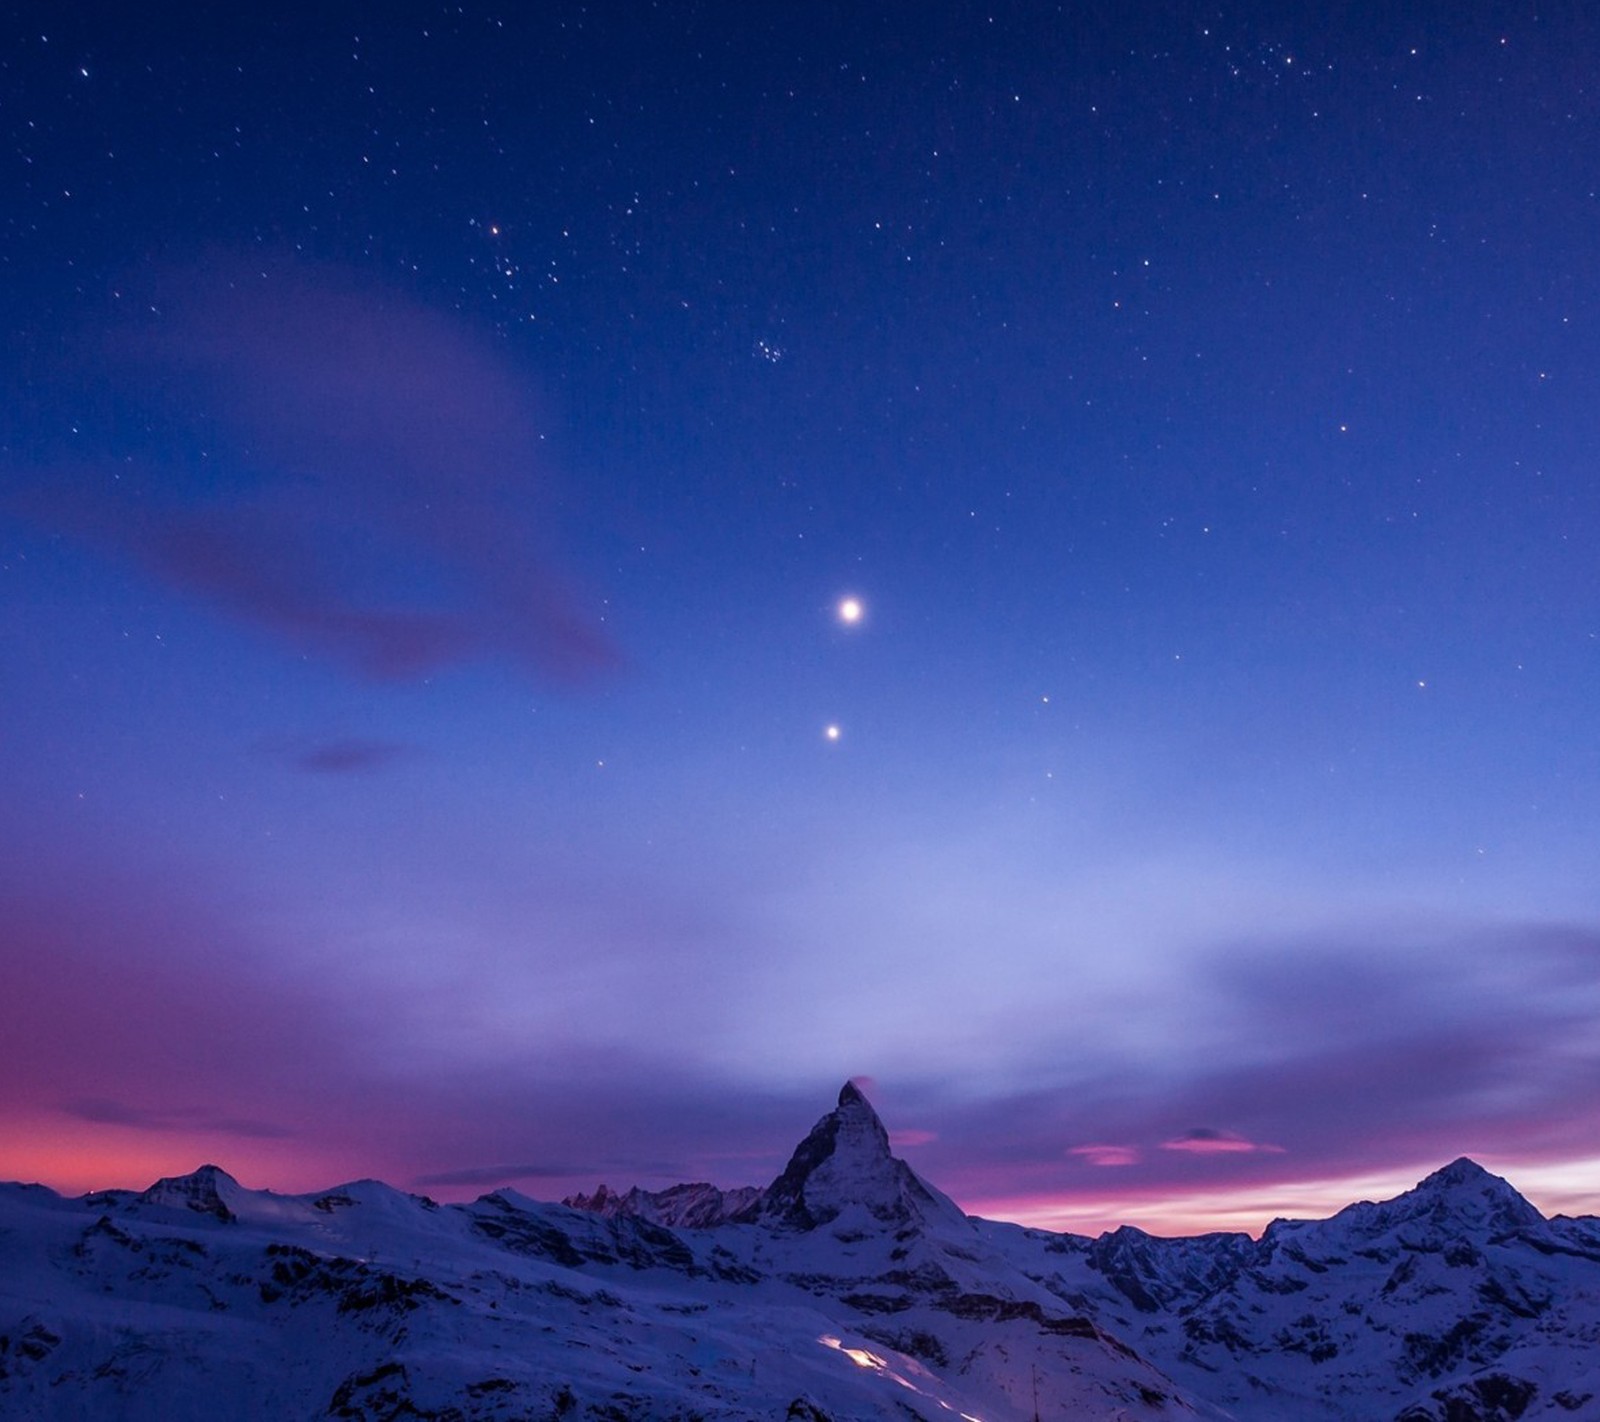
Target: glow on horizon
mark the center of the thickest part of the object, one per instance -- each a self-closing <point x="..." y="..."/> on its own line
<point x="79" y="1158"/>
<point x="75" y="1158"/>
<point x="1568" y="1187"/>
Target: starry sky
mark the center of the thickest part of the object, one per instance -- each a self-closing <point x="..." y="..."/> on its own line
<point x="438" y="443"/>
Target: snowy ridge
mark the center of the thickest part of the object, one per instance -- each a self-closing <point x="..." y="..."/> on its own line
<point x="1461" y="1197"/>
<point x="847" y="1289"/>
<point x="1454" y="1302"/>
<point x="694" y="1206"/>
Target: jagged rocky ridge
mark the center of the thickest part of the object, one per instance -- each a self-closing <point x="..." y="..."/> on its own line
<point x="849" y="1288"/>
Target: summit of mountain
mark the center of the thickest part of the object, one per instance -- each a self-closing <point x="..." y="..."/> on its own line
<point x="845" y="1162"/>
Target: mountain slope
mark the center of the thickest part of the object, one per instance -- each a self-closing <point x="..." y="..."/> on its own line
<point x="847" y="1289"/>
<point x="1455" y="1302"/>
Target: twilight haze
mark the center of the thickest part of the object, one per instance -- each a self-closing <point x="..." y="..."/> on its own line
<point x="575" y="575"/>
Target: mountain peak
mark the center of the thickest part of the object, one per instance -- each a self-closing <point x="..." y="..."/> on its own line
<point x="850" y="1095"/>
<point x="206" y="1191"/>
<point x="1466" y="1191"/>
<point x="1458" y="1201"/>
<point x="1462" y="1171"/>
<point x="844" y="1161"/>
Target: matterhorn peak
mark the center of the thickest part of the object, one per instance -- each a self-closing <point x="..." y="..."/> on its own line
<point x="859" y="1121"/>
<point x="846" y="1161"/>
<point x="851" y="1095"/>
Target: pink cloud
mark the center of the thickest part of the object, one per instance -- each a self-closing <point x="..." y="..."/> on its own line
<point x="1107" y="1155"/>
<point x="902" y="1140"/>
<point x="1356" y="1056"/>
<point x="144" y="1031"/>
<point x="1204" y="1141"/>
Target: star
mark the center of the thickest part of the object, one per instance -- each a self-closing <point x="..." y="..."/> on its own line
<point x="850" y="610"/>
<point x="832" y="733"/>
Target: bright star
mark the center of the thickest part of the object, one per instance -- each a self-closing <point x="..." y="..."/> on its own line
<point x="832" y="733"/>
<point x="850" y="610"/>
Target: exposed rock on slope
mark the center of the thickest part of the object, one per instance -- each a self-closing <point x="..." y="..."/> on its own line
<point x="696" y="1206"/>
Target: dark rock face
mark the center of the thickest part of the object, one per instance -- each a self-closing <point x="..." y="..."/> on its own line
<point x="1155" y="1274"/>
<point x="636" y="1243"/>
<point x="296" y="1276"/>
<point x="1494" y="1397"/>
<point x="694" y="1206"/>
<point x="31" y="1344"/>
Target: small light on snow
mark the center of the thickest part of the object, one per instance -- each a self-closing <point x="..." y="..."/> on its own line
<point x="859" y="1356"/>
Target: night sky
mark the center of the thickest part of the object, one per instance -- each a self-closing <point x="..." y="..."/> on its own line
<point x="437" y="443"/>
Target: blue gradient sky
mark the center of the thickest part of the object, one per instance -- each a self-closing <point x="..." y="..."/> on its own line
<point x="436" y="441"/>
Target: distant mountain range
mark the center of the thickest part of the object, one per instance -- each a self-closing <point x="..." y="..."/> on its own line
<point x="847" y="1289"/>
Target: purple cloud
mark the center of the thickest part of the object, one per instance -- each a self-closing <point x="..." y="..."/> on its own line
<point x="1205" y="1141"/>
<point x="1112" y="1156"/>
<point x="179" y="1119"/>
<point x="376" y="494"/>
<point x="1326" y="1059"/>
<point x="1347" y="1057"/>
<point x="217" y="1040"/>
<point x="343" y="756"/>
<point x="338" y="755"/>
<point x="489" y="1176"/>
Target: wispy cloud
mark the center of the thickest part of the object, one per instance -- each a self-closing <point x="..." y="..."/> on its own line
<point x="343" y="757"/>
<point x="1340" y="1055"/>
<point x="377" y="494"/>
<point x="502" y="1174"/>
<point x="177" y="1119"/>
<point x="910" y="1139"/>
<point x="1203" y="1140"/>
<point x="1320" y="1060"/>
<point x="1107" y="1155"/>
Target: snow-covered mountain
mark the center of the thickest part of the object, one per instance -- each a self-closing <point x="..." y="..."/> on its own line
<point x="1455" y="1302"/>
<point x="847" y="1289"/>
